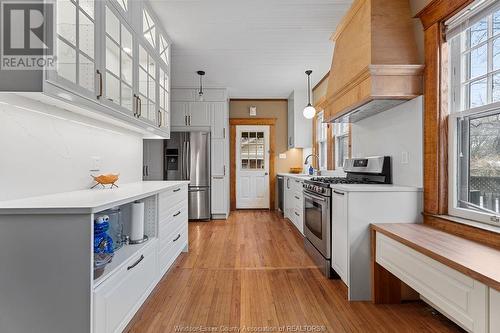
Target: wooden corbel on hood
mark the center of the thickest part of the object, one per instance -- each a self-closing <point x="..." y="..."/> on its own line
<point x="375" y="64"/>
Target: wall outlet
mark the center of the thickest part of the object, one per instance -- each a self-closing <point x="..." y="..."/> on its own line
<point x="283" y="156"/>
<point x="95" y="163"/>
<point x="405" y="157"/>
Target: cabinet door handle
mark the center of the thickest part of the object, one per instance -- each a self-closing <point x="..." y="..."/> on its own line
<point x="159" y="118"/>
<point x="177" y="214"/>
<point x="218" y="177"/>
<point x="135" y="263"/>
<point x="339" y="193"/>
<point x="224" y="170"/>
<point x="140" y="107"/>
<point x="224" y="133"/>
<point x="99" y="95"/>
<point x="296" y="197"/>
<point x="189" y="117"/>
<point x="297" y="214"/>
<point x="147" y="170"/>
<point x="185" y="120"/>
<point x="177" y="189"/>
<point x="135" y="105"/>
<point x="177" y="238"/>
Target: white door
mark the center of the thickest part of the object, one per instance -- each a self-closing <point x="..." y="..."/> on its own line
<point x="252" y="166"/>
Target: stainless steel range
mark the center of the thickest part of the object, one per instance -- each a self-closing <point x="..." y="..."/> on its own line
<point x="317" y="203"/>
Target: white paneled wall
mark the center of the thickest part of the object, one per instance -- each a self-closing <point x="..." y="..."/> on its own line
<point x="393" y="133"/>
<point x="45" y="150"/>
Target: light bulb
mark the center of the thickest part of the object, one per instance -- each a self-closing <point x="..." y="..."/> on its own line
<point x="309" y="112"/>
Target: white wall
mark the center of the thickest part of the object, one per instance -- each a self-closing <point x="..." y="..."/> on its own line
<point x="45" y="150"/>
<point x="391" y="133"/>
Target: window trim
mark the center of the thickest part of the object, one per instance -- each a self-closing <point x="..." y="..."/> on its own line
<point x="322" y="159"/>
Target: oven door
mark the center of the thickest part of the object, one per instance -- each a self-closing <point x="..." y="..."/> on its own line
<point x="317" y="224"/>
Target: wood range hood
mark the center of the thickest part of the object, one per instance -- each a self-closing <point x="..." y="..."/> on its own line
<point x="375" y="63"/>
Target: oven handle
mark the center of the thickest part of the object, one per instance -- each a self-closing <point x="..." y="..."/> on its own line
<point x="310" y="195"/>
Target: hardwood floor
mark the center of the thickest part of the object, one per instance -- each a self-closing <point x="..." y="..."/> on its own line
<point x="251" y="271"/>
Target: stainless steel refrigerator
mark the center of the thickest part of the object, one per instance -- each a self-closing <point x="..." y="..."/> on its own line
<point x="187" y="157"/>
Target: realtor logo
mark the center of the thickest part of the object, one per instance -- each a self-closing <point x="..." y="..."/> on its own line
<point x="27" y="35"/>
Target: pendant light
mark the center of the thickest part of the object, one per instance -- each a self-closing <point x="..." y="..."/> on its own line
<point x="200" y="92"/>
<point x="309" y="111"/>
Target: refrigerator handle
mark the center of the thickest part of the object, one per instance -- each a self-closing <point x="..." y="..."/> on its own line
<point x="188" y="160"/>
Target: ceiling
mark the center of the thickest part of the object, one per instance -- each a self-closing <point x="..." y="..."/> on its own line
<point x="255" y="48"/>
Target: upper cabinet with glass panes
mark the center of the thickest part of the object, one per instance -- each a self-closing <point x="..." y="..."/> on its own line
<point x="113" y="53"/>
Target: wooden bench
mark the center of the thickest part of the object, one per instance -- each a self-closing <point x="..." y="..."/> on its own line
<point x="459" y="277"/>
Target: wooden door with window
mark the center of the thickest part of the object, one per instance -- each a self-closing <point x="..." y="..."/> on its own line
<point x="252" y="167"/>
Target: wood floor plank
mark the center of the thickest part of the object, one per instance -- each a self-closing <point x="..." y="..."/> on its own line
<point x="252" y="271"/>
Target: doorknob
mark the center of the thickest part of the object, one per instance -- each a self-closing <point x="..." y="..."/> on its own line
<point x="266" y="174"/>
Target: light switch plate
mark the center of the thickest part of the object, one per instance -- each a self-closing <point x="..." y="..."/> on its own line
<point x="283" y="156"/>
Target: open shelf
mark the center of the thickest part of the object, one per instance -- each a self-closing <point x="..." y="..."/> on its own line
<point x="121" y="256"/>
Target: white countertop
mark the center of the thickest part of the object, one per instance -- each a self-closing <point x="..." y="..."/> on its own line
<point x="295" y="175"/>
<point x="374" y="188"/>
<point x="86" y="201"/>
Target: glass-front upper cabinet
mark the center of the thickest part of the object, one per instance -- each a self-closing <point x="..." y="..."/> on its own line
<point x="118" y="66"/>
<point x="75" y="47"/>
<point x="164" y="98"/>
<point x="148" y="85"/>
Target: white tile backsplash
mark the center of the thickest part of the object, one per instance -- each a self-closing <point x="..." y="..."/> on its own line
<point x="44" y="149"/>
<point x="397" y="133"/>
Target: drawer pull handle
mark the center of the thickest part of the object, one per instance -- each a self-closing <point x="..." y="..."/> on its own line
<point x="177" y="238"/>
<point x="297" y="214"/>
<point x="177" y="214"/>
<point x="339" y="193"/>
<point x="296" y="197"/>
<point x="135" y="263"/>
<point x="177" y="190"/>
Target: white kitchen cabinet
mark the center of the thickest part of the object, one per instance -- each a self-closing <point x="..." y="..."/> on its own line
<point x="76" y="39"/>
<point x="219" y="197"/>
<point x="299" y="128"/>
<point x="294" y="202"/>
<point x="219" y="157"/>
<point x="152" y="168"/>
<point x="219" y="121"/>
<point x="458" y="296"/>
<point x="352" y="214"/>
<point x="199" y="115"/>
<point x="107" y="69"/>
<point x="339" y="234"/>
<point x="118" y="298"/>
<point x="79" y="303"/>
<point x="190" y="115"/>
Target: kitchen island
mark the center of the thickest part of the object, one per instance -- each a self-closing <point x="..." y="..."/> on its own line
<point x="46" y="249"/>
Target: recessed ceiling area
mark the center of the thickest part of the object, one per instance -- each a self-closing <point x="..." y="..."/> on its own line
<point x="256" y="49"/>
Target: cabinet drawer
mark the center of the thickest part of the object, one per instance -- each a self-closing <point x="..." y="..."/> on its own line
<point x="461" y="298"/>
<point x="117" y="299"/>
<point x="174" y="216"/>
<point x="168" y="228"/>
<point x="169" y="198"/>
<point x="173" y="246"/>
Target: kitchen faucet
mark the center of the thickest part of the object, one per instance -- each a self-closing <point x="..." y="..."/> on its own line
<point x="316" y="171"/>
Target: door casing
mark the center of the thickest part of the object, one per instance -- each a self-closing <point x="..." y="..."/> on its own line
<point x="271" y="122"/>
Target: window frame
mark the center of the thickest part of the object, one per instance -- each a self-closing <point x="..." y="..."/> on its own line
<point x="459" y="107"/>
<point x="337" y="135"/>
<point x="321" y="128"/>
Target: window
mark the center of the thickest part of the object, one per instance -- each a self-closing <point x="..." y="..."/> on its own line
<point x="321" y="141"/>
<point x="474" y="58"/>
<point x="341" y="135"/>
<point x="252" y="151"/>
